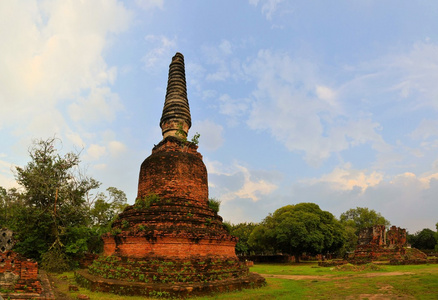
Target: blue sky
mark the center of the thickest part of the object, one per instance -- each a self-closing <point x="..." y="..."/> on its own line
<point x="331" y="102"/>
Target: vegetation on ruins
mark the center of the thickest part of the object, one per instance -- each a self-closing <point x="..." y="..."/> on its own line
<point x="356" y="219"/>
<point x="145" y="202"/>
<point x="54" y="214"/>
<point x="294" y="229"/>
<point x="182" y="135"/>
<point x="214" y="204"/>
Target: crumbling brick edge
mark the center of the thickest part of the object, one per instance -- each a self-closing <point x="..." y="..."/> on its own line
<point x="181" y="290"/>
<point x="47" y="292"/>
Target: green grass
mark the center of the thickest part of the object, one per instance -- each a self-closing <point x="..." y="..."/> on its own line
<point x="275" y="289"/>
<point x="325" y="283"/>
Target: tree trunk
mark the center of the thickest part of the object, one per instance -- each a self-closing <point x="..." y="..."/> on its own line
<point x="297" y="258"/>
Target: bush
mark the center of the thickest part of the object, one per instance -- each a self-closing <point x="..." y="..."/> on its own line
<point x="145" y="202"/>
<point x="214" y="204"/>
<point x="55" y="260"/>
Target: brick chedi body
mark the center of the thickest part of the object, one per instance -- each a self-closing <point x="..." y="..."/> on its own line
<point x="171" y="240"/>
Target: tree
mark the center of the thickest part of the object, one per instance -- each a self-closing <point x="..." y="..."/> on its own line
<point x="243" y="231"/>
<point x="294" y="229"/>
<point x="50" y="215"/>
<point x="425" y="239"/>
<point x="362" y="217"/>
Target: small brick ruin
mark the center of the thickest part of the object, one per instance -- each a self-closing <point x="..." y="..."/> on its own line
<point x="170" y="242"/>
<point x="377" y="243"/>
<point x="19" y="277"/>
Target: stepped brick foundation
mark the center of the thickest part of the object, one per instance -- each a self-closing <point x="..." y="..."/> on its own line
<point x="171" y="242"/>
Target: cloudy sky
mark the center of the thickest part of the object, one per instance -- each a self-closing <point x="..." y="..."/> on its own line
<point x="331" y="102"/>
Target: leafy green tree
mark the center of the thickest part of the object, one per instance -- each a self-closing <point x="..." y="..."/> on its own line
<point x="436" y="246"/>
<point x="243" y="231"/>
<point x="356" y="219"/>
<point x="362" y="217"/>
<point x="425" y="239"/>
<point x="105" y="208"/>
<point x="294" y="229"/>
<point x="53" y="215"/>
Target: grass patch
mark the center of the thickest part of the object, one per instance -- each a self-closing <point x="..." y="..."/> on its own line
<point x="275" y="289"/>
<point x="418" y="281"/>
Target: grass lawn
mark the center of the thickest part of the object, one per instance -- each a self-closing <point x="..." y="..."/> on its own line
<point x="308" y="281"/>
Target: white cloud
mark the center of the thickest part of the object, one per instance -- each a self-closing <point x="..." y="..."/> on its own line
<point x="345" y="178"/>
<point x="225" y="67"/>
<point x="95" y="152"/>
<point x="6" y="180"/>
<point x="101" y="104"/>
<point x="150" y="4"/>
<point x="297" y="110"/>
<point x="163" y="49"/>
<point x="211" y="134"/>
<point x="116" y="148"/>
<point x="253" y="189"/>
<point x="235" y="182"/>
<point x="269" y="7"/>
<point x="327" y="94"/>
<point x="426" y="130"/>
<point x="52" y="53"/>
<point x="401" y="198"/>
<point x="233" y="107"/>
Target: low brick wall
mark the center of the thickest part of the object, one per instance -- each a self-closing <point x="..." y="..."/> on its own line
<point x="179" y="290"/>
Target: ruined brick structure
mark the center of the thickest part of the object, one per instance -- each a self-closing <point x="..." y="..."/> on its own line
<point x="376" y="243"/>
<point x="171" y="240"/>
<point x="19" y="277"/>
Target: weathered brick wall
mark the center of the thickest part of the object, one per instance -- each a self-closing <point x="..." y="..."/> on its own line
<point x="174" y="169"/>
<point x="162" y="269"/>
<point x="19" y="273"/>
<point x="174" y="246"/>
<point x="396" y="236"/>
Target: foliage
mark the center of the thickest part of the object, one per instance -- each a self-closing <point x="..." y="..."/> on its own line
<point x="55" y="260"/>
<point x="182" y="135"/>
<point x="145" y="202"/>
<point x="362" y="217"/>
<point x="243" y="231"/>
<point x="54" y="215"/>
<point x="106" y="208"/>
<point x="227" y="226"/>
<point x="294" y="229"/>
<point x="195" y="139"/>
<point x="214" y="204"/>
<point x="425" y="239"/>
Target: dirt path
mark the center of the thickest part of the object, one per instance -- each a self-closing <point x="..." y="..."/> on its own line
<point x="330" y="277"/>
<point x="55" y="282"/>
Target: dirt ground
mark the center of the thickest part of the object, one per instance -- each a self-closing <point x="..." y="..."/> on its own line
<point x="55" y="282"/>
<point x="329" y="277"/>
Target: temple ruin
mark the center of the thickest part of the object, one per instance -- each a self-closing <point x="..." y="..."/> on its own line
<point x="19" y="276"/>
<point x="171" y="242"/>
<point x="377" y="243"/>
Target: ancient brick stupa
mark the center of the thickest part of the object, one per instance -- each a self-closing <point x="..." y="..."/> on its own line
<point x="171" y="242"/>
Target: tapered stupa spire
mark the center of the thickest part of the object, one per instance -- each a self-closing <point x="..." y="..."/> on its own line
<point x="176" y="120"/>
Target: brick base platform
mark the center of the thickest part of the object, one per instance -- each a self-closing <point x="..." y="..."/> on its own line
<point x="96" y="283"/>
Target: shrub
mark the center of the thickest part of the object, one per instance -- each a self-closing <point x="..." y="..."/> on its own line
<point x="214" y="204"/>
<point x="145" y="202"/>
<point x="55" y="260"/>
